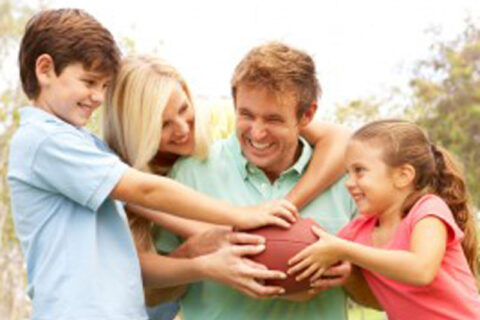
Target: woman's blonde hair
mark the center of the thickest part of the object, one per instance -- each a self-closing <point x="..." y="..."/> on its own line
<point x="132" y="122"/>
<point x="132" y="118"/>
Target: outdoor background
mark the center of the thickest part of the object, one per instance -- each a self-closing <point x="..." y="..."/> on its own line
<point x="418" y="60"/>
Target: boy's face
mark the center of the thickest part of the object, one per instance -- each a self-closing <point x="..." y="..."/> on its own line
<point x="74" y="94"/>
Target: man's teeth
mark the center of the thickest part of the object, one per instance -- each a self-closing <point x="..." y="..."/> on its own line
<point x="260" y="146"/>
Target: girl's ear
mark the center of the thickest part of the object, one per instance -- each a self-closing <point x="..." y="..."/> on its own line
<point x="44" y="69"/>
<point x="403" y="176"/>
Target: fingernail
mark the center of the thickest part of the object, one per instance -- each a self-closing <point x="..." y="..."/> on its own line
<point x="284" y="276"/>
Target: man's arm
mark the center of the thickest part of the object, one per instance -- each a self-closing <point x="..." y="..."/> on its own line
<point x="358" y="289"/>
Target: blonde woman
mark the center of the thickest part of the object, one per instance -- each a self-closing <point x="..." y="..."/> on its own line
<point x="150" y="121"/>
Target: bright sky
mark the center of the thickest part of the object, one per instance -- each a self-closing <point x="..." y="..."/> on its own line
<point x="361" y="48"/>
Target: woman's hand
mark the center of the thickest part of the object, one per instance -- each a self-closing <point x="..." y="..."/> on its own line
<point x="229" y="266"/>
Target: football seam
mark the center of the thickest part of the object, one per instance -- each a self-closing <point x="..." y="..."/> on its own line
<point x="275" y="240"/>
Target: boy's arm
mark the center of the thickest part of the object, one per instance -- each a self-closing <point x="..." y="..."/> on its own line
<point x="327" y="163"/>
<point x="167" y="195"/>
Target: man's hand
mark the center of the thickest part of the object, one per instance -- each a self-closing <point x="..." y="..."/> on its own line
<point x="229" y="266"/>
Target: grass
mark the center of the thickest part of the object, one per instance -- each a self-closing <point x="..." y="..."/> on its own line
<point x="359" y="313"/>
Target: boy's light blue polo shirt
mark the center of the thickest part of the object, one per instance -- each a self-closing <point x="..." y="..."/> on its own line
<point x="227" y="175"/>
<point x="81" y="259"/>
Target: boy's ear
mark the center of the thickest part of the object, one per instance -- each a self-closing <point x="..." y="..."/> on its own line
<point x="403" y="176"/>
<point x="308" y="115"/>
<point x="44" y="69"/>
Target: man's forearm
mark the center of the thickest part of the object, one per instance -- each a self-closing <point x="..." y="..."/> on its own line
<point x="358" y="289"/>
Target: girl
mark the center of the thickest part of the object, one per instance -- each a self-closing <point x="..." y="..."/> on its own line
<point x="150" y="121"/>
<point x="416" y="238"/>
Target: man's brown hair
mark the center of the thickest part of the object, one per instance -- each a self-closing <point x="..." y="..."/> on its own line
<point x="68" y="36"/>
<point x="279" y="68"/>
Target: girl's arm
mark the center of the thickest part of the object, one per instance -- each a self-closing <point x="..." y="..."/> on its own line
<point x="167" y="195"/>
<point x="417" y="266"/>
<point x="327" y="163"/>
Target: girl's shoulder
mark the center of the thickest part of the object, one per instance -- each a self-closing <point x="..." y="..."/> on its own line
<point x="431" y="205"/>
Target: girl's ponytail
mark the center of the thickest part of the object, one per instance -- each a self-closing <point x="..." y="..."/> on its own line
<point x="449" y="184"/>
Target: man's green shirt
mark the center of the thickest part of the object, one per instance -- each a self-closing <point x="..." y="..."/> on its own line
<point x="227" y="175"/>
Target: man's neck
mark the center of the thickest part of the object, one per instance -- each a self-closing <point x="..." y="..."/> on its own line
<point x="275" y="174"/>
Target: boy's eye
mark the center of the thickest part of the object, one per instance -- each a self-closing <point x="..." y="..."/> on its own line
<point x="359" y="169"/>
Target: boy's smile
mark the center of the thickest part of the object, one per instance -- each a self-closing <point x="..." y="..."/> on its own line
<point x="73" y="95"/>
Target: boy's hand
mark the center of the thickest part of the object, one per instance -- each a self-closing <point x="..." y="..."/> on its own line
<point x="280" y="212"/>
<point x="316" y="258"/>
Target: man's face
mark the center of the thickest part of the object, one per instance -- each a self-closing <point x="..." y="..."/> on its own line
<point x="267" y="129"/>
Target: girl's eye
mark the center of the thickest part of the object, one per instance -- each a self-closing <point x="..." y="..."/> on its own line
<point x="89" y="82"/>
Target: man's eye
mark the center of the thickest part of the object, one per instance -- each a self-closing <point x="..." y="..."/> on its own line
<point x="166" y="124"/>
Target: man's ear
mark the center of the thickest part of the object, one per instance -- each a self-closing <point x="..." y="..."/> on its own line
<point x="44" y="69"/>
<point x="308" y="115"/>
<point x="403" y="176"/>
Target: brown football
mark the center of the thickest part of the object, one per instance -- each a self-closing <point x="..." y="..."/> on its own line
<point x="281" y="245"/>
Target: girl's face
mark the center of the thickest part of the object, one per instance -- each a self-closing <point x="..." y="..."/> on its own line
<point x="371" y="181"/>
<point x="178" y="134"/>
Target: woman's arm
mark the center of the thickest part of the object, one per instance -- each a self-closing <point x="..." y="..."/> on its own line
<point x="418" y="266"/>
<point x="327" y="163"/>
<point x="182" y="227"/>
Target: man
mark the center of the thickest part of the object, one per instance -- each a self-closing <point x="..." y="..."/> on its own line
<point x="275" y="92"/>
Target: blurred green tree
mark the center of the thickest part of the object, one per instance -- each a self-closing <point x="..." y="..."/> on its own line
<point x="443" y="97"/>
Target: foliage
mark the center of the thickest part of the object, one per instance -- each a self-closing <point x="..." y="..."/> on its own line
<point x="446" y="100"/>
<point x="443" y="97"/>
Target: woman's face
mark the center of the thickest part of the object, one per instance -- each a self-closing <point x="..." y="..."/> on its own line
<point x="178" y="134"/>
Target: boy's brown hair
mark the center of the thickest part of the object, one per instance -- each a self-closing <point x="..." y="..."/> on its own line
<point x="279" y="68"/>
<point x="68" y="36"/>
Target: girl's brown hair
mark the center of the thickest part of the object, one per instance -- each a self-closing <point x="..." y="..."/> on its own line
<point x="436" y="171"/>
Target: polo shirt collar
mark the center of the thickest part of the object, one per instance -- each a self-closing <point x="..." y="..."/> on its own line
<point x="245" y="168"/>
<point x="29" y="113"/>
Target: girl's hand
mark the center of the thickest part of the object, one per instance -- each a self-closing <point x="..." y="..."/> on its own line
<point x="280" y="212"/>
<point x="316" y="258"/>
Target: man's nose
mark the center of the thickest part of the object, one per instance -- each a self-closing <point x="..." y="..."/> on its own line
<point x="258" y="131"/>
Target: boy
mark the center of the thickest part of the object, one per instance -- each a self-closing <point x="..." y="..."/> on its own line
<point x="81" y="260"/>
